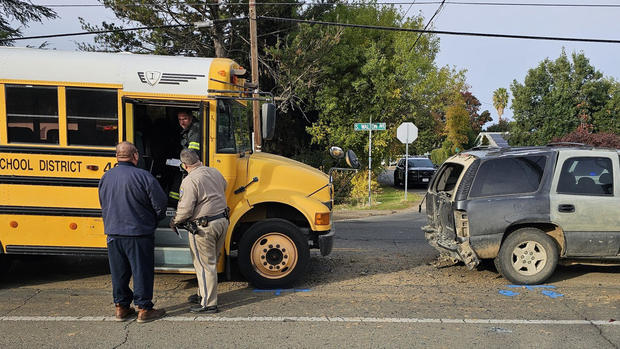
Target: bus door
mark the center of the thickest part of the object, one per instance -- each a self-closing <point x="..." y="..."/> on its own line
<point x="153" y="126"/>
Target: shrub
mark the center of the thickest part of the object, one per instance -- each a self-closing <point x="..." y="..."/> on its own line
<point x="359" y="190"/>
<point x="582" y="135"/>
<point x="439" y="155"/>
<point x="342" y="186"/>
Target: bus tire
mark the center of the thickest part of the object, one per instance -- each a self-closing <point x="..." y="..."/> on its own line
<point x="5" y="265"/>
<point x="273" y="254"/>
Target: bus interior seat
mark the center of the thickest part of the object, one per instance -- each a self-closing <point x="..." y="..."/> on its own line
<point x="52" y="136"/>
<point x="606" y="183"/>
<point x="21" y="134"/>
<point x="586" y="185"/>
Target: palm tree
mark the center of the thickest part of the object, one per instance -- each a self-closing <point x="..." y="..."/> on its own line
<point x="500" y="100"/>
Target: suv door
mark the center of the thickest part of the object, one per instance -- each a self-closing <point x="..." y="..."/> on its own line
<point x="585" y="202"/>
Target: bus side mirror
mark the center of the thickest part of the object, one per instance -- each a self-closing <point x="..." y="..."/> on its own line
<point x="268" y="120"/>
<point x="351" y="159"/>
<point x="336" y="152"/>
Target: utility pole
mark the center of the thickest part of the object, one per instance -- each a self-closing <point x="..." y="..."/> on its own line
<point x="254" y="61"/>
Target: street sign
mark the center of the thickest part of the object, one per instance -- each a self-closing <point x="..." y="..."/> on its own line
<point x="407" y="132"/>
<point x="365" y="126"/>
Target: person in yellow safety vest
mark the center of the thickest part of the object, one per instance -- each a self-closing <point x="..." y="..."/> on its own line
<point x="190" y="139"/>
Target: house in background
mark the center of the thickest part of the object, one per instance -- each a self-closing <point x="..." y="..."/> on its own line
<point x="492" y="140"/>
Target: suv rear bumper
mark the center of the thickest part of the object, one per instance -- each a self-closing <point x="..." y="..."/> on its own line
<point x="459" y="249"/>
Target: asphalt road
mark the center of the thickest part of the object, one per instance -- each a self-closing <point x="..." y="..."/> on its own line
<point x="375" y="290"/>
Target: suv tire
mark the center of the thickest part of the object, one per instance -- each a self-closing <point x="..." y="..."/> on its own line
<point x="528" y="256"/>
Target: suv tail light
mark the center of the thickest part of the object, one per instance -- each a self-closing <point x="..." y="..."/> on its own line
<point x="461" y="223"/>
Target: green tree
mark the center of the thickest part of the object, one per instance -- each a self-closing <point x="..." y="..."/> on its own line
<point x="607" y="119"/>
<point x="23" y="13"/>
<point x="362" y="75"/>
<point x="173" y="32"/>
<point x="458" y="127"/>
<point x="501" y="126"/>
<point x="500" y="101"/>
<point x="227" y="37"/>
<point x="558" y="96"/>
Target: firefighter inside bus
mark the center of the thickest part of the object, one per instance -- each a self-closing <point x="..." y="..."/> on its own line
<point x="158" y="146"/>
<point x="190" y="139"/>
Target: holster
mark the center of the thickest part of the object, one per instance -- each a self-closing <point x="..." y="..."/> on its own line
<point x="190" y="226"/>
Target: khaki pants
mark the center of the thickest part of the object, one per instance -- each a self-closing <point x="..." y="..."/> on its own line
<point x="206" y="246"/>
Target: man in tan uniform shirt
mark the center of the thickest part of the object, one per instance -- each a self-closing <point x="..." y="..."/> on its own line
<point x="203" y="200"/>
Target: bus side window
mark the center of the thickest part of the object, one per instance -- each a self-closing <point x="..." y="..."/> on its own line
<point x="92" y="116"/>
<point x="32" y="111"/>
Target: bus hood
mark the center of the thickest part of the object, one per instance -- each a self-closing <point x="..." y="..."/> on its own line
<point x="279" y="174"/>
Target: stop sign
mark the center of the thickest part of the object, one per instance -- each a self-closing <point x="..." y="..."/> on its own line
<point x="407" y="132"/>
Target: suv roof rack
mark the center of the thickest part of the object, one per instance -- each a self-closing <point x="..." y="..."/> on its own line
<point x="567" y="144"/>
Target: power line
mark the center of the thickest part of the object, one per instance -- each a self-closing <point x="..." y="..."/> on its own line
<point x="304" y="3"/>
<point x="443" y="32"/>
<point x="427" y="24"/>
<point x="114" y="30"/>
<point x="93" y="32"/>
<point x="348" y="25"/>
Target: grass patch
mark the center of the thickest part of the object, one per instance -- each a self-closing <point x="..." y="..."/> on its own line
<point x="390" y="199"/>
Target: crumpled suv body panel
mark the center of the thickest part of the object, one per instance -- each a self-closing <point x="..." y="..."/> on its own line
<point x="525" y="208"/>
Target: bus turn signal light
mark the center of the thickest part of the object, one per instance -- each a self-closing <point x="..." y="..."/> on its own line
<point x="72" y="226"/>
<point x="13" y="224"/>
<point x="92" y="167"/>
<point x="321" y="218"/>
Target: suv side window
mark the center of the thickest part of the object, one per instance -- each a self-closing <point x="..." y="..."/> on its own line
<point x="513" y="175"/>
<point x="586" y="175"/>
<point x="449" y="175"/>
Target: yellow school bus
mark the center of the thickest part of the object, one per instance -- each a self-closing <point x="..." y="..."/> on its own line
<point x="61" y="115"/>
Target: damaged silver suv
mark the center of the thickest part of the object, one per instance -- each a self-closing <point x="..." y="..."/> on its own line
<point x="526" y="208"/>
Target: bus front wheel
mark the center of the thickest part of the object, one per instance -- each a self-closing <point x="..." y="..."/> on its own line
<point x="273" y="253"/>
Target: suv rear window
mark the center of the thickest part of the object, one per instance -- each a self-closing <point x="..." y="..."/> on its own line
<point x="448" y="176"/>
<point x="512" y="175"/>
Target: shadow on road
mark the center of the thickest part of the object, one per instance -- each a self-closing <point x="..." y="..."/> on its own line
<point x="34" y="270"/>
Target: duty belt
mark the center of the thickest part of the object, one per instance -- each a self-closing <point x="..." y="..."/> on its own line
<point x="204" y="220"/>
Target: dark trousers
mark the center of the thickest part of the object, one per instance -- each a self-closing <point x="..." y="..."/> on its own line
<point x="132" y="256"/>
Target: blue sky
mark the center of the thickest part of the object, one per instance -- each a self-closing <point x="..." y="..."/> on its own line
<point x="490" y="62"/>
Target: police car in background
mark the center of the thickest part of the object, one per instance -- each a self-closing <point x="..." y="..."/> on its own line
<point x="421" y="170"/>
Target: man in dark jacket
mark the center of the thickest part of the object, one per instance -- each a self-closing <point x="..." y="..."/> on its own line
<point x="132" y="202"/>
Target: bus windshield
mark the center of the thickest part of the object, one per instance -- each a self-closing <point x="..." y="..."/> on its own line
<point x="234" y="127"/>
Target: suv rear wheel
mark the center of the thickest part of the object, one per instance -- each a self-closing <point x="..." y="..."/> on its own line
<point x="528" y="256"/>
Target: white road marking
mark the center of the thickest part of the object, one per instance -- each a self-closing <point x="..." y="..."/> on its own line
<point x="323" y="319"/>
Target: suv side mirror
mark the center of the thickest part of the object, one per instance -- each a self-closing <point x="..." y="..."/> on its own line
<point x="268" y="120"/>
<point x="351" y="159"/>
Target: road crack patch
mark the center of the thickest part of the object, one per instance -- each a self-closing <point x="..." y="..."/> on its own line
<point x="597" y="327"/>
<point x="37" y="291"/>
<point x="126" y="329"/>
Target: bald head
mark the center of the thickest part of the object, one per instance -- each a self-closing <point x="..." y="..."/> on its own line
<point x="126" y="151"/>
